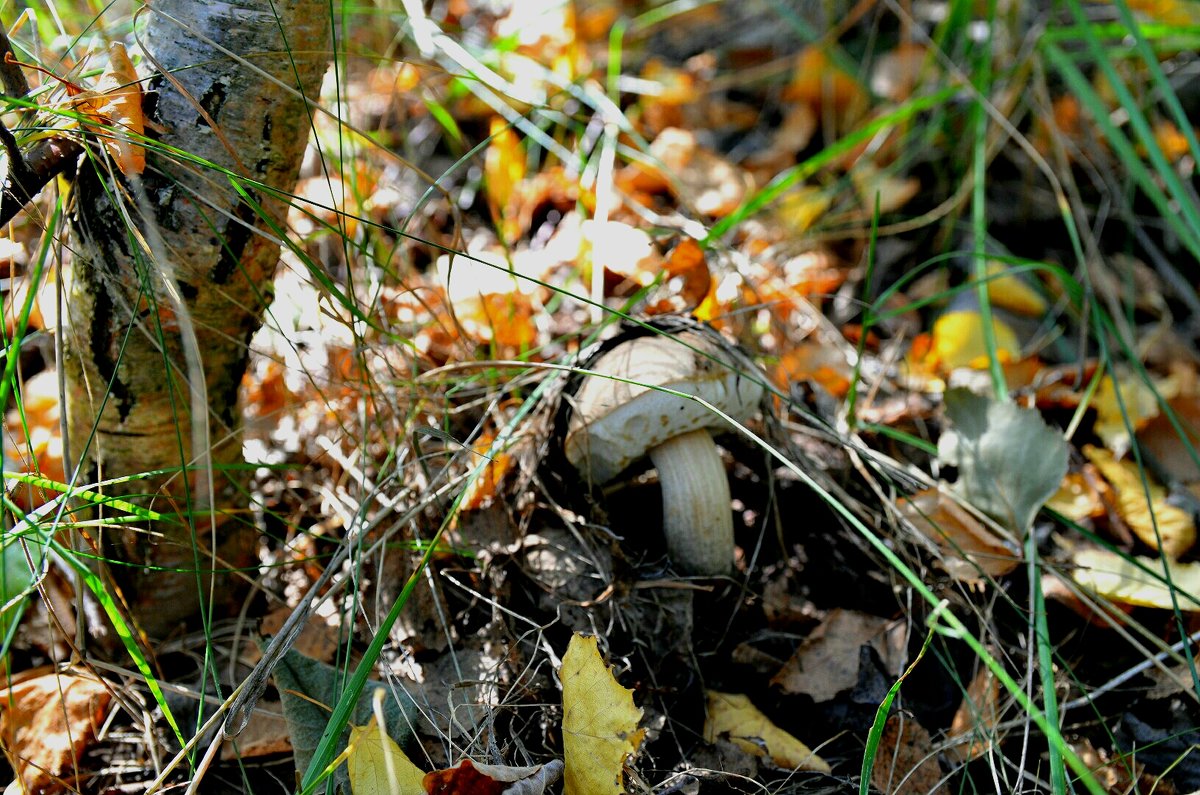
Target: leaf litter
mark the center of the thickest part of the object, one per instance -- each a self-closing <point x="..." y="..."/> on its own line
<point x="710" y="177"/>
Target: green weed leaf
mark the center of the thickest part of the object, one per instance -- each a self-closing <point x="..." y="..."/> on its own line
<point x="305" y="683"/>
<point x="1009" y="461"/>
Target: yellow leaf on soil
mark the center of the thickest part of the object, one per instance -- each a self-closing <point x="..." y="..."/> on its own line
<point x="958" y="341"/>
<point x="503" y="166"/>
<point x="1121" y="579"/>
<point x="1010" y="292"/>
<point x="803" y="207"/>
<point x="599" y="722"/>
<point x="377" y="765"/>
<point x="733" y="715"/>
<point x="1138" y="403"/>
<point x="1077" y="499"/>
<point x="873" y="183"/>
<point x="1175" y="526"/>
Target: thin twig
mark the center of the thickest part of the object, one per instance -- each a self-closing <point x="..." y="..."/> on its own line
<point x="11" y="77"/>
<point x="27" y="173"/>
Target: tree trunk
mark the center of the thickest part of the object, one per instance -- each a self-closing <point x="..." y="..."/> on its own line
<point x="130" y="381"/>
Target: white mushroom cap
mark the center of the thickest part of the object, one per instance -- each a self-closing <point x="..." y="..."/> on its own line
<point x="615" y="423"/>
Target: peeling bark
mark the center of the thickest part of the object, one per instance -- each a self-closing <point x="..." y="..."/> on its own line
<point x="124" y="350"/>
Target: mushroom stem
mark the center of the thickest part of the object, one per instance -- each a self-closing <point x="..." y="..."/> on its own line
<point x="697" y="519"/>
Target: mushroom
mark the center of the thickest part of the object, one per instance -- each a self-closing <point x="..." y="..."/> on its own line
<point x="621" y="414"/>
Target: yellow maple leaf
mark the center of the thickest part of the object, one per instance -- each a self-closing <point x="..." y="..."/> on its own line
<point x="599" y="722"/>
<point x="1175" y="526"/>
<point x="733" y="714"/>
<point x="377" y="765"/>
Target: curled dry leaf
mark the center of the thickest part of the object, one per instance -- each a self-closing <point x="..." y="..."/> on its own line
<point x="492" y="303"/>
<point x="484" y="489"/>
<point x="732" y="715"/>
<point x="1171" y="452"/>
<point x="802" y="207"/>
<point x="977" y="717"/>
<point x="1143" y="505"/>
<point x="46" y="723"/>
<point x="265" y="735"/>
<point x="600" y="722"/>
<point x="115" y="108"/>
<point x="906" y="760"/>
<point x="826" y="89"/>
<point x="1137" y="581"/>
<point x="827" y="662"/>
<point x="971" y="551"/>
<point x="816" y="362"/>
<point x="892" y="192"/>
<point x="707" y="181"/>
<point x="688" y="264"/>
<point x="1011" y="291"/>
<point x="626" y="253"/>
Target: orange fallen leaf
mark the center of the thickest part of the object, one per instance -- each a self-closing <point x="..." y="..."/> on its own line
<point x="1077" y="498"/>
<point x="503" y="166"/>
<point x="826" y="88"/>
<point x="35" y="446"/>
<point x="710" y="183"/>
<point x="46" y="723"/>
<point x="687" y="263"/>
<point x="483" y="490"/>
<point x="1160" y="439"/>
<point x="907" y="760"/>
<point x="1138" y="404"/>
<point x="490" y="300"/>
<point x="977" y="717"/>
<point x="115" y="107"/>
<point x="958" y="341"/>
<point x="813" y="361"/>
<point x="971" y="552"/>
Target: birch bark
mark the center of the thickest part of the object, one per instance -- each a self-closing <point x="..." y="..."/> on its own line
<point x="226" y="81"/>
